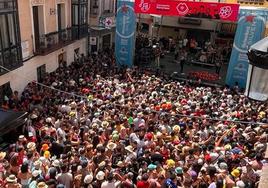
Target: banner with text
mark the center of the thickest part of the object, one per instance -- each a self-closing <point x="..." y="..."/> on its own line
<point x="125" y="33"/>
<point x="222" y="11"/>
<point x="250" y="29"/>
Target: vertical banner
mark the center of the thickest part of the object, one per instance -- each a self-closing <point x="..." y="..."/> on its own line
<point x="250" y="29"/>
<point x="125" y="33"/>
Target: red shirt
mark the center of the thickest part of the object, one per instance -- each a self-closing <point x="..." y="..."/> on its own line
<point x="143" y="184"/>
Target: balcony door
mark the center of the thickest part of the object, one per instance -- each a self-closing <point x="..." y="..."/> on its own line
<point x="61" y="16"/>
<point x="39" y="29"/>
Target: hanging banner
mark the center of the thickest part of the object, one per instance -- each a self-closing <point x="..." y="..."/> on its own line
<point x="125" y="33"/>
<point x="250" y="29"/>
<point x="222" y="11"/>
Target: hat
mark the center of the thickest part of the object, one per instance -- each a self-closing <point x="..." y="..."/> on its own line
<point x="88" y="179"/>
<point x="115" y="137"/>
<point x="102" y="164"/>
<point x="100" y="176"/>
<point x="21" y="137"/>
<point x="105" y="124"/>
<point x="33" y="116"/>
<point x="120" y="164"/>
<point x="176" y="128"/>
<point x="31" y="146"/>
<point x="170" y="163"/>
<point x="2" y="155"/>
<point x="129" y="148"/>
<point x="11" y="179"/>
<point x="240" y="184"/>
<point x="42" y="185"/>
<point x="111" y="146"/>
<point x="45" y="147"/>
<point x="36" y="173"/>
<point x="37" y="164"/>
<point x="152" y="167"/>
<point x="235" y="173"/>
<point x="48" y="120"/>
<point x="56" y="163"/>
<point x="179" y="170"/>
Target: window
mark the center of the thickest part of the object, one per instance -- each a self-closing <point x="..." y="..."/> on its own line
<point x="107" y="6"/>
<point x="10" y="48"/>
<point x="94" y="7"/>
<point x="79" y="18"/>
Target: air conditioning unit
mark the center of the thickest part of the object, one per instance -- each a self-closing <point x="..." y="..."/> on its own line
<point x="189" y="21"/>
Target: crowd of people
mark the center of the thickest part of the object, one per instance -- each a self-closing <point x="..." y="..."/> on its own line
<point x="94" y="125"/>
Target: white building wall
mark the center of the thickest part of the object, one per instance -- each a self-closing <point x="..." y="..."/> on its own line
<point x="20" y="77"/>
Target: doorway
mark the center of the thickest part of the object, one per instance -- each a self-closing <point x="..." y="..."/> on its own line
<point x="38" y="23"/>
<point x="62" y="60"/>
<point x="106" y="41"/>
<point x="41" y="73"/>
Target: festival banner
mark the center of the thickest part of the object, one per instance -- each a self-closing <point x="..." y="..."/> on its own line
<point x="125" y="33"/>
<point x="250" y="29"/>
<point x="210" y="10"/>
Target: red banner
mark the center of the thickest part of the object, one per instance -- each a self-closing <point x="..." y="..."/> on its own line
<point x="222" y="11"/>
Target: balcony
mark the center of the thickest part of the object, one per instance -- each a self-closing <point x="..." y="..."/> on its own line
<point x="251" y="2"/>
<point x="7" y="6"/>
<point x="53" y="41"/>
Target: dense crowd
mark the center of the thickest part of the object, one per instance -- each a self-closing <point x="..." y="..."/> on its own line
<point x="98" y="126"/>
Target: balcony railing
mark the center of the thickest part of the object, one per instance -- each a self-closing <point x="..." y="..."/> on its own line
<point x="56" y="40"/>
<point x="254" y="2"/>
<point x="7" y="5"/>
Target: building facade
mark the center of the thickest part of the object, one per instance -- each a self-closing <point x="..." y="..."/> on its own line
<point x="102" y="24"/>
<point x="37" y="37"/>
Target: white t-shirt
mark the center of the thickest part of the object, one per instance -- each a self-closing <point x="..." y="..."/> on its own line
<point x="107" y="184"/>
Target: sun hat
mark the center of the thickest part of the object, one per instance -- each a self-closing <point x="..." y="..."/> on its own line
<point x="31" y="146"/>
<point x="129" y="148"/>
<point x="48" y="120"/>
<point x="102" y="164"/>
<point x="240" y="184"/>
<point x="37" y="164"/>
<point x="170" y="163"/>
<point x="56" y="163"/>
<point x="36" y="173"/>
<point x="100" y="176"/>
<point x="11" y="179"/>
<point x="179" y="170"/>
<point x="88" y="179"/>
<point x="33" y="116"/>
<point x="235" y="173"/>
<point x="42" y="185"/>
<point x="111" y="145"/>
<point x="2" y="155"/>
<point x="120" y="164"/>
<point x="115" y="137"/>
<point x="21" y="137"/>
<point x="152" y="167"/>
<point x="45" y="147"/>
<point x="105" y="124"/>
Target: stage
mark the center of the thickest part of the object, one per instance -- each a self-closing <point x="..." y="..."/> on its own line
<point x="169" y="66"/>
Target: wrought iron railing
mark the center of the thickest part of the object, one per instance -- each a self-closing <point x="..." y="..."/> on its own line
<point x="55" y="40"/>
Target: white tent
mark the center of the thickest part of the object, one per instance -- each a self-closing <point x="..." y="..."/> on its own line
<point x="257" y="80"/>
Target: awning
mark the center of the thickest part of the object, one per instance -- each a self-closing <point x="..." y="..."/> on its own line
<point x="10" y="120"/>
